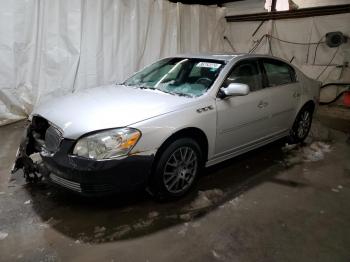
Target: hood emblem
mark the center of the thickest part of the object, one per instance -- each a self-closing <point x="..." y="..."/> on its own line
<point x="204" y="109"/>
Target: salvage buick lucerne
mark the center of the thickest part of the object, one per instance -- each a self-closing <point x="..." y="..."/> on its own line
<point x="158" y="129"/>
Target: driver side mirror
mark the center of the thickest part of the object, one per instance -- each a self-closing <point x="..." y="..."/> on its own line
<point x="234" y="89"/>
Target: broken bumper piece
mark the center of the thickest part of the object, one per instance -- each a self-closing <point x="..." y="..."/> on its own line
<point x="33" y="172"/>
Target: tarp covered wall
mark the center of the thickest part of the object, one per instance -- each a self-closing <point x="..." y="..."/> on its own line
<point x="301" y="30"/>
<point x="49" y="48"/>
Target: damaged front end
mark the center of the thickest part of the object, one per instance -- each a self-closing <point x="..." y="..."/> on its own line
<point x="33" y="142"/>
<point x="78" y="174"/>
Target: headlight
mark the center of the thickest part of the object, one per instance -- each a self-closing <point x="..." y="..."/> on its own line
<point x="107" y="144"/>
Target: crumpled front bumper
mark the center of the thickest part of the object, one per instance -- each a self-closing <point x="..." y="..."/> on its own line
<point x="81" y="175"/>
<point x="33" y="172"/>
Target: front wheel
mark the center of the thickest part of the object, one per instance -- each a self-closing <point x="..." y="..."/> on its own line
<point x="302" y="125"/>
<point x="176" y="169"/>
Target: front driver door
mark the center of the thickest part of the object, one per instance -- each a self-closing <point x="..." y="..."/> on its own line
<point x="242" y="121"/>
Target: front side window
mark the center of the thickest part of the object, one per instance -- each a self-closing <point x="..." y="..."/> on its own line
<point x="246" y="72"/>
<point x="180" y="76"/>
<point x="278" y="73"/>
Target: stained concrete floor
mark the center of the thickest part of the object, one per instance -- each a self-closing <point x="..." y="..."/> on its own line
<point x="277" y="203"/>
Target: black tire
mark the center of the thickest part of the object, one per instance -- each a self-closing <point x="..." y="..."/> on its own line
<point x="172" y="166"/>
<point x="302" y="125"/>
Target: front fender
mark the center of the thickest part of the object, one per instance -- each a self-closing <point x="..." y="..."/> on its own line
<point x="157" y="130"/>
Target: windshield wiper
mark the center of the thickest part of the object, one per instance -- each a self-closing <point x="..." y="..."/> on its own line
<point x="153" y="88"/>
<point x="147" y="87"/>
<point x="173" y="93"/>
<point x="180" y="94"/>
<point x="164" y="91"/>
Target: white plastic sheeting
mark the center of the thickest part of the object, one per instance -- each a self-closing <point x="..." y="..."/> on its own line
<point x="281" y="5"/>
<point x="50" y="48"/>
<point x="302" y="30"/>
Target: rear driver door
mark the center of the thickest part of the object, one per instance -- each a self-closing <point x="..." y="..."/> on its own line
<point x="284" y="91"/>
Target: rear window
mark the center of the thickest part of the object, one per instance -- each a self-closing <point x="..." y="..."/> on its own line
<point x="278" y="73"/>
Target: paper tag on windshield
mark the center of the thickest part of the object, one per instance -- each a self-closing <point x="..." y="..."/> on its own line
<point x="208" y="65"/>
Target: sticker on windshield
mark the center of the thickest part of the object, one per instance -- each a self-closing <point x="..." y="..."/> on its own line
<point x="208" y="65"/>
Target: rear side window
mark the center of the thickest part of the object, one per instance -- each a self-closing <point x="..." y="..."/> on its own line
<point x="278" y="73"/>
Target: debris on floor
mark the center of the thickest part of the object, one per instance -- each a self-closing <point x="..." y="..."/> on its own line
<point x="337" y="189"/>
<point x="143" y="224"/>
<point x="196" y="224"/>
<point x="206" y="198"/>
<point x="43" y="225"/>
<point x="99" y="231"/>
<point x="315" y="151"/>
<point x="51" y="221"/>
<point x="216" y="255"/>
<point x="153" y="214"/>
<point x="183" y="229"/>
<point x="235" y="201"/>
<point x="120" y="232"/>
<point x="296" y="154"/>
<point x="185" y="217"/>
<point x="3" y="235"/>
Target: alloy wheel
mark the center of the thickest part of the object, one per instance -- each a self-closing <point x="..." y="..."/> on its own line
<point x="304" y="124"/>
<point x="180" y="169"/>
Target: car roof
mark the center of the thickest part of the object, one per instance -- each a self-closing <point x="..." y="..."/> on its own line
<point x="225" y="56"/>
<point x="215" y="56"/>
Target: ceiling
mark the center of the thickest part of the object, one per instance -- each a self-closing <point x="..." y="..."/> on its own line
<point x="204" y="2"/>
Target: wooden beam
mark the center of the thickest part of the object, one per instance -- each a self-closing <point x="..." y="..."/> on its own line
<point x="299" y="13"/>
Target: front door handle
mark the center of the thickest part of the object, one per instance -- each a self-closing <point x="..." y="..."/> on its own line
<point x="263" y="104"/>
<point x="296" y="94"/>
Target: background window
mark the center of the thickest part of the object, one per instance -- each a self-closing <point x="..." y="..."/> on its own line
<point x="278" y="73"/>
<point x="246" y="73"/>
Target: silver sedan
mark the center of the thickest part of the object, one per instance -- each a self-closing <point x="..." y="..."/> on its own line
<point x="161" y="126"/>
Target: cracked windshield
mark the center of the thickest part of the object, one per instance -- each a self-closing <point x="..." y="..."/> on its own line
<point x="180" y="76"/>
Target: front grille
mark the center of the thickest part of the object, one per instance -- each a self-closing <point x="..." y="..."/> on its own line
<point x="53" y="138"/>
<point x="82" y="188"/>
<point x="65" y="183"/>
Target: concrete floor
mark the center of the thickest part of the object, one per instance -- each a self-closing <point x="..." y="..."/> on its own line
<point x="276" y="203"/>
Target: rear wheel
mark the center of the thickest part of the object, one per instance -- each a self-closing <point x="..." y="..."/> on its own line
<point x="176" y="169"/>
<point x="302" y="125"/>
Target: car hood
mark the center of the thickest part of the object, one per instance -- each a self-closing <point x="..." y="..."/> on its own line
<point x="107" y="107"/>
